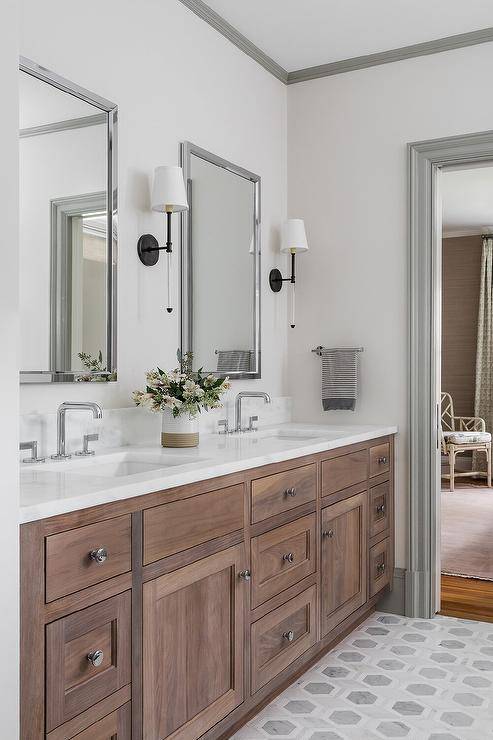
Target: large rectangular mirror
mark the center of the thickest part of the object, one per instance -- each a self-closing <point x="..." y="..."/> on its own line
<point x="221" y="265"/>
<point x="67" y="230"/>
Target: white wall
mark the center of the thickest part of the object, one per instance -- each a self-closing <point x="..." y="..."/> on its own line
<point x="347" y="168"/>
<point x="9" y="368"/>
<point x="174" y="78"/>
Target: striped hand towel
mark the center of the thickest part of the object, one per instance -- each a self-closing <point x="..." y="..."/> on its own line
<point x="234" y="360"/>
<point x="339" y="379"/>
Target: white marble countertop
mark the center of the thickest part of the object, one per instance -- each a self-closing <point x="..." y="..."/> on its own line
<point x="52" y="488"/>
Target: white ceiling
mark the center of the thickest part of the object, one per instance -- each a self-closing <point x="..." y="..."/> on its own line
<point x="467" y="197"/>
<point x="303" y="34"/>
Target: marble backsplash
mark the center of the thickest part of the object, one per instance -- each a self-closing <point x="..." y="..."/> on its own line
<point x="130" y="426"/>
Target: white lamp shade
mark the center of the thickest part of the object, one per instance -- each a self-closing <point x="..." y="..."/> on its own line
<point x="294" y="236"/>
<point x="168" y="191"/>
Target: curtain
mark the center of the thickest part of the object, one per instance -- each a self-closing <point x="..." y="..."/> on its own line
<point x="483" y="402"/>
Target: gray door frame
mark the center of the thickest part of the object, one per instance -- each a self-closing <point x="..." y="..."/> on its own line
<point x="426" y="160"/>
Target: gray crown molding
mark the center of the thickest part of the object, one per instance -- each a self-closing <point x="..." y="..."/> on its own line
<point x="230" y="32"/>
<point x="70" y="123"/>
<point x="393" y="55"/>
<point x="447" y="43"/>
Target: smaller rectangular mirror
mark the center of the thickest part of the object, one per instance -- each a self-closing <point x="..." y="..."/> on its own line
<point x="221" y="265"/>
<point x="67" y="234"/>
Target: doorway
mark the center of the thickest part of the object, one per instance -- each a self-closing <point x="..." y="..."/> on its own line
<point x="429" y="162"/>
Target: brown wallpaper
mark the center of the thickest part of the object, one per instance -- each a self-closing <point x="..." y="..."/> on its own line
<point x="461" y="271"/>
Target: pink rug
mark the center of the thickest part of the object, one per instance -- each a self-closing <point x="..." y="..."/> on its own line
<point x="467" y="532"/>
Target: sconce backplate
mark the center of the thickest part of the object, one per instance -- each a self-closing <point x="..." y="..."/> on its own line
<point x="275" y="280"/>
<point x="146" y="243"/>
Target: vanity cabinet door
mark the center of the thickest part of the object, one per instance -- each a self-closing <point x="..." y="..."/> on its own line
<point x="193" y="645"/>
<point x="344" y="559"/>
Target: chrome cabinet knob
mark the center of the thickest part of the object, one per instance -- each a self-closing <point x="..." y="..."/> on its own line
<point x="328" y="533"/>
<point x="382" y="460"/>
<point x="245" y="574"/>
<point x="99" y="555"/>
<point x="288" y="557"/>
<point x="381" y="509"/>
<point x="380" y="569"/>
<point x="95" y="658"/>
<point x="288" y="636"/>
<point x="290" y="492"/>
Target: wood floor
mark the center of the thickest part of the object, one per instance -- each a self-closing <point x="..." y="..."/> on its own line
<point x="467" y="598"/>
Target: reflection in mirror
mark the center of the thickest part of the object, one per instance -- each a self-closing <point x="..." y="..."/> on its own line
<point x="67" y="231"/>
<point x="221" y="265"/>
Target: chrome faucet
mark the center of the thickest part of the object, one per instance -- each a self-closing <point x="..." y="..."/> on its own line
<point x="238" y="400"/>
<point x="60" y="423"/>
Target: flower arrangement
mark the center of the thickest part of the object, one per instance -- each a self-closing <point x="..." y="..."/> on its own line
<point x="182" y="391"/>
<point x="94" y="365"/>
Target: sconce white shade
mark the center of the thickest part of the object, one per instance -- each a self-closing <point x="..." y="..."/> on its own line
<point x="168" y="191"/>
<point x="294" y="236"/>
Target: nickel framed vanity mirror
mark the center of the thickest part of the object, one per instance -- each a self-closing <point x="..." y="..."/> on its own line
<point x="68" y="236"/>
<point x="221" y="265"/>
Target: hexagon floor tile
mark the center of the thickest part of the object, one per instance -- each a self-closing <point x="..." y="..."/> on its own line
<point x="441" y="689"/>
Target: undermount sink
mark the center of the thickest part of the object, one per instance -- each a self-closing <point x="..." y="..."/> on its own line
<point x="297" y="434"/>
<point x="116" y="465"/>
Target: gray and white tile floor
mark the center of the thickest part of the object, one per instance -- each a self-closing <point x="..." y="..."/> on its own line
<point x="393" y="677"/>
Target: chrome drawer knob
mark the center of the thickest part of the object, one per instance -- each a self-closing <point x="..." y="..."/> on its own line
<point x="328" y="533"/>
<point x="382" y="460"/>
<point x="288" y="636"/>
<point x="288" y="557"/>
<point x="381" y="509"/>
<point x="245" y="574"/>
<point x="95" y="658"/>
<point x="100" y="555"/>
<point x="380" y="569"/>
<point x="290" y="492"/>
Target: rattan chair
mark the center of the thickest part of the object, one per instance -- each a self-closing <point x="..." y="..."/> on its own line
<point x="463" y="434"/>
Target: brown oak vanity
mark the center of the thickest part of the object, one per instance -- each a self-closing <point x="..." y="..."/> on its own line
<point x="178" y="614"/>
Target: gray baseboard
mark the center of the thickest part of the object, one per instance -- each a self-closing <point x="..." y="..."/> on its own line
<point x="395" y="601"/>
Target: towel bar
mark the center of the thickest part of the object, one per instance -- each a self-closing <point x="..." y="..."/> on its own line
<point x="318" y="350"/>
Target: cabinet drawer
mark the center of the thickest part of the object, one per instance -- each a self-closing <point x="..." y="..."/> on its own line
<point x="179" y="525"/>
<point x="115" y="726"/>
<point x="70" y="563"/>
<point x="280" y="492"/>
<point x="344" y="471"/>
<point x="282" y="636"/>
<point x="380" y="566"/>
<point x="380" y="508"/>
<point x="87" y="658"/>
<point x="281" y="558"/>
<point x="380" y="459"/>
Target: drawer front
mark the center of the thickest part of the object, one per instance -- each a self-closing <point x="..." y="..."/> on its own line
<point x="282" y="557"/>
<point x="69" y="565"/>
<point x="344" y="471"/>
<point x="380" y="508"/>
<point x="179" y="525"/>
<point x="282" y="636"/>
<point x="274" y="494"/>
<point x="380" y="459"/>
<point x="87" y="658"/>
<point x="380" y="566"/>
<point x="115" y="726"/>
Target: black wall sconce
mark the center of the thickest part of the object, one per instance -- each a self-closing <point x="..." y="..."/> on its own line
<point x="168" y="196"/>
<point x="293" y="241"/>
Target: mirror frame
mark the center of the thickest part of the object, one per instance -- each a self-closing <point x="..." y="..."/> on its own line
<point x="109" y="112"/>
<point x="187" y="150"/>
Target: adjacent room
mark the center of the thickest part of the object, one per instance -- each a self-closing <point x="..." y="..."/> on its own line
<point x="246" y="308"/>
<point x="466" y="382"/>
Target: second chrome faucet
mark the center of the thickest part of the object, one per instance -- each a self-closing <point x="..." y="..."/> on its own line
<point x="97" y="413"/>
<point x="239" y="398"/>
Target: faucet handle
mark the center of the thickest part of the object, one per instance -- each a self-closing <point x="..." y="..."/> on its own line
<point x="225" y="426"/>
<point x="252" y="423"/>
<point x="85" y="446"/>
<point x="33" y="446"/>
